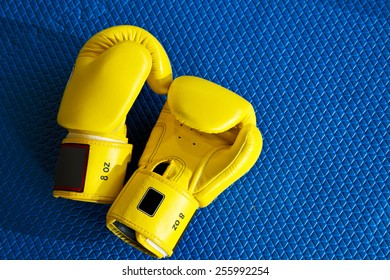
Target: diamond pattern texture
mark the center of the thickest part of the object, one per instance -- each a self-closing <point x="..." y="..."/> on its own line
<point x="317" y="74"/>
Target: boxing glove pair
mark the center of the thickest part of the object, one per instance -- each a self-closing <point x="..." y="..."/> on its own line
<point x="204" y="140"/>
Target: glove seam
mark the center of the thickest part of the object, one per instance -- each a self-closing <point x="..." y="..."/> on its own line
<point x="123" y="146"/>
<point x="84" y="195"/>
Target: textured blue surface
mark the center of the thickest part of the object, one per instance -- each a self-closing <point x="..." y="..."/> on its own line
<point x="317" y="74"/>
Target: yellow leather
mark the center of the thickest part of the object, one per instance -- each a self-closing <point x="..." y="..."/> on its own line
<point x="160" y="76"/>
<point x="191" y="102"/>
<point x="109" y="73"/>
<point x="206" y="137"/>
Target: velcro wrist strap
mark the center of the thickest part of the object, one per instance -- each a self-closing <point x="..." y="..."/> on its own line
<point x="155" y="208"/>
<point x="91" y="170"/>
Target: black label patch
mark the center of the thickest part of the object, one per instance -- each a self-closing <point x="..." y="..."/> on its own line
<point x="71" y="167"/>
<point x="150" y="202"/>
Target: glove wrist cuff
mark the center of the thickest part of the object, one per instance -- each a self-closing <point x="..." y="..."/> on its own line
<point x="104" y="138"/>
<point x="91" y="170"/>
<point x="157" y="215"/>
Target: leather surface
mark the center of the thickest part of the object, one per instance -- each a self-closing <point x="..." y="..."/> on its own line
<point x="317" y="74"/>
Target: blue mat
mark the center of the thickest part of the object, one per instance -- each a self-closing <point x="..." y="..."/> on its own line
<point x="316" y="73"/>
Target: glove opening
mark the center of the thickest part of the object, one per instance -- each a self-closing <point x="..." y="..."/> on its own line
<point x="128" y="232"/>
<point x="161" y="167"/>
<point x="130" y="235"/>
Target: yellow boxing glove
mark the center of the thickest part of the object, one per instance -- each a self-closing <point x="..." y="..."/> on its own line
<point x="204" y="140"/>
<point x="108" y="75"/>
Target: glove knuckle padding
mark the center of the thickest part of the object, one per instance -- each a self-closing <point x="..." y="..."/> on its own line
<point x="206" y="106"/>
<point x="101" y="91"/>
<point x="160" y="76"/>
<point x="204" y="140"/>
<point x="109" y="73"/>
